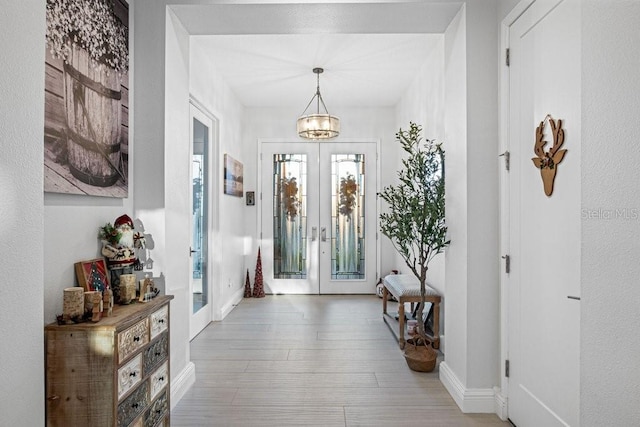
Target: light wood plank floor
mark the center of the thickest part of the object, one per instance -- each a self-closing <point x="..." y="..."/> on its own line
<point x="311" y="361"/>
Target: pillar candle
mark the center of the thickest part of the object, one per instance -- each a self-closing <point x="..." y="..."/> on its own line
<point x="73" y="303"/>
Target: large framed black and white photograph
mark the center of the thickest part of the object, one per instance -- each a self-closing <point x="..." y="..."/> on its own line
<point x="86" y="135"/>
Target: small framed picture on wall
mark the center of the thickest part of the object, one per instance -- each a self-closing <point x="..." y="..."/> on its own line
<point x="232" y="176"/>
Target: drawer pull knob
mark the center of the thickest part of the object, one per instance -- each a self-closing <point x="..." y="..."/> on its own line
<point x="160" y="379"/>
<point x="132" y="374"/>
<point x="161" y="321"/>
<point x="136" y="338"/>
<point x="135" y="406"/>
<point x="158" y="411"/>
<point x="157" y="353"/>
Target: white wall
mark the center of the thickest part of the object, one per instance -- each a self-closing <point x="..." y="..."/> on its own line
<point x="472" y="260"/>
<point x="455" y="300"/>
<point x="482" y="178"/>
<point x="610" y="349"/>
<point x="165" y="79"/>
<point x="423" y="103"/>
<point x="71" y="224"/>
<point x="177" y="184"/>
<point x="213" y="93"/>
<point x="21" y="210"/>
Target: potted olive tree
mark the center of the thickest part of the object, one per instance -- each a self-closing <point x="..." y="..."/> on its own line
<point x="414" y="220"/>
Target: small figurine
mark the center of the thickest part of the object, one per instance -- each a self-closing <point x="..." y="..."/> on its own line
<point x="120" y="242"/>
<point x="97" y="307"/>
<point x="145" y="288"/>
<point x="119" y="245"/>
<point x="107" y="299"/>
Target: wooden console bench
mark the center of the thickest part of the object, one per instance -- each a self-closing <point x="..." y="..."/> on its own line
<point x="406" y="288"/>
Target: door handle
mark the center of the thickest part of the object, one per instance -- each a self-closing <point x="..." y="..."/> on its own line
<point x="314" y="233"/>
<point x="323" y="234"/>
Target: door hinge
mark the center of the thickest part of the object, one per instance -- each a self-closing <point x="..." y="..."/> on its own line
<point x="508" y="57"/>
<point x="507" y="263"/>
<point x="506" y="368"/>
<point x="507" y="159"/>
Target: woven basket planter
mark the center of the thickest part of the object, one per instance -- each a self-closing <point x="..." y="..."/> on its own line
<point x="419" y="354"/>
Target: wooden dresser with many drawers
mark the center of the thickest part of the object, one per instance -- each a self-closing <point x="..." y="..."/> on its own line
<point x="111" y="373"/>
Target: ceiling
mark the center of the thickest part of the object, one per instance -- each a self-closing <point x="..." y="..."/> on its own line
<point x="371" y="52"/>
<point x="359" y="70"/>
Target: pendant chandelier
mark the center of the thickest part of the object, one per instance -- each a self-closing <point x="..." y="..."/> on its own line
<point x="319" y="125"/>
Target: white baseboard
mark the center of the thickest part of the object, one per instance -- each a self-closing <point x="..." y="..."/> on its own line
<point x="182" y="382"/>
<point x="233" y="301"/>
<point x="475" y="401"/>
<point x="500" y="404"/>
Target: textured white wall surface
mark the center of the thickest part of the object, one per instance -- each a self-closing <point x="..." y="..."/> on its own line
<point x="177" y="184"/>
<point x="423" y="103"/>
<point x="455" y="119"/>
<point x="610" y="348"/>
<point x="21" y="210"/>
<point x="482" y="180"/>
<point x="213" y="93"/>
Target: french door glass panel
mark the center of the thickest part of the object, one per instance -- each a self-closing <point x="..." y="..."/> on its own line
<point x="318" y="211"/>
<point x="347" y="216"/>
<point x="289" y="216"/>
<point x="201" y="138"/>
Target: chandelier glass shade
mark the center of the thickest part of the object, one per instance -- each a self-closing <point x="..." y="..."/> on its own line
<point x="318" y="126"/>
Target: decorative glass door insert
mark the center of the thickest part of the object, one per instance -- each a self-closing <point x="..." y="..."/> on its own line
<point x="348" y="215"/>
<point x="290" y="216"/>
<point x="319" y="217"/>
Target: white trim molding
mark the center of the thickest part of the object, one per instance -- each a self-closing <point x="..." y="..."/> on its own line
<point x="469" y="400"/>
<point x="182" y="383"/>
<point x="501" y="409"/>
<point x="235" y="300"/>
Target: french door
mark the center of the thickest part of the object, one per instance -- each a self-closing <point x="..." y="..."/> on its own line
<point x="200" y="274"/>
<point x="319" y="217"/>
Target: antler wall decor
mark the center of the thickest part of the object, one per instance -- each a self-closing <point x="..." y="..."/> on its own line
<point x="548" y="161"/>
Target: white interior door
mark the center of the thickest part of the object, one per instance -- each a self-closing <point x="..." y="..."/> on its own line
<point x="200" y="271"/>
<point x="544" y="231"/>
<point x="319" y="217"/>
